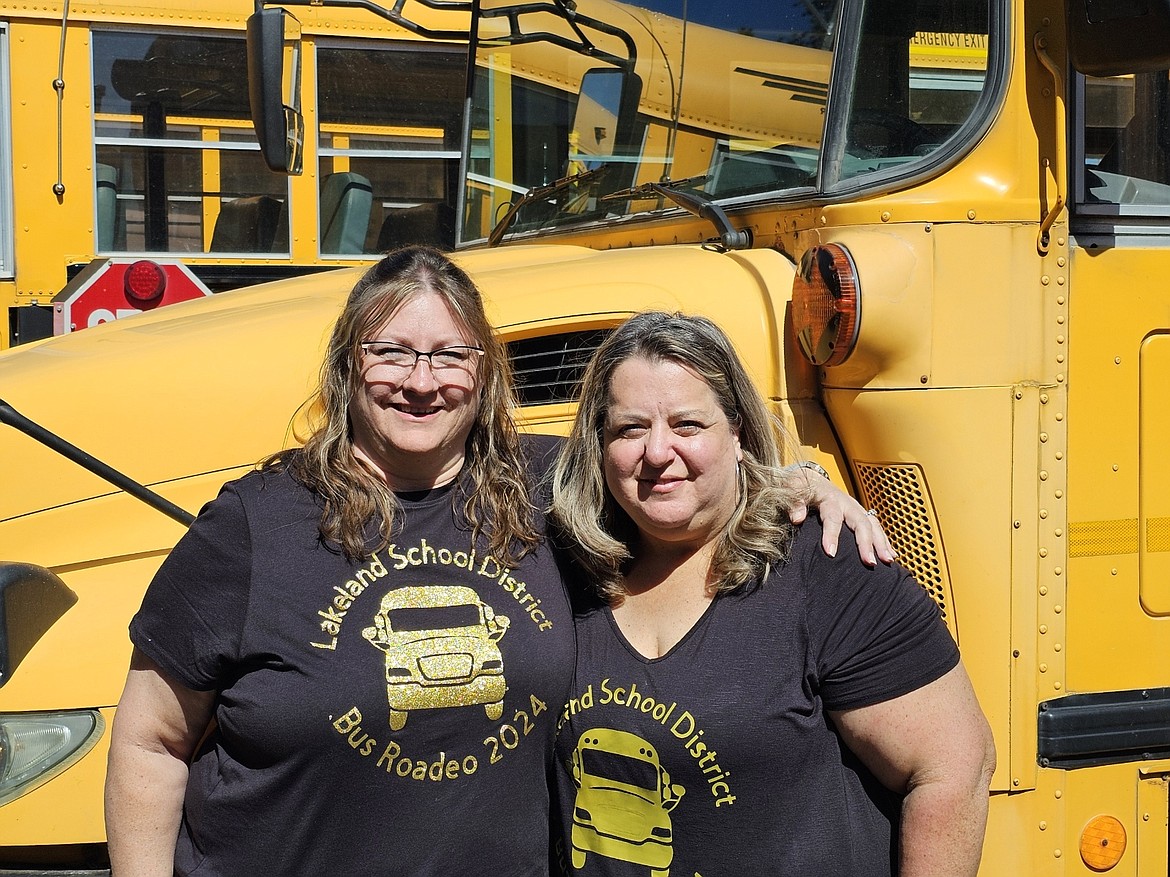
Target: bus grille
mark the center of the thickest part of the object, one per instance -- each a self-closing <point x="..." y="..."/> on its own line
<point x="548" y="368"/>
<point x="898" y="493"/>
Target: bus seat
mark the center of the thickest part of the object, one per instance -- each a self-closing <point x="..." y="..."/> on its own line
<point x="107" y="206"/>
<point x="432" y="224"/>
<point x="246" y="225"/>
<point x="346" y="202"/>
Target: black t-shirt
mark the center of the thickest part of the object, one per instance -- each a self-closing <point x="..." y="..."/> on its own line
<point x="717" y="758"/>
<point x="388" y="717"/>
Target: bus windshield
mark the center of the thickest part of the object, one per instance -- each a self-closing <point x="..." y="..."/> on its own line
<point x="574" y="112"/>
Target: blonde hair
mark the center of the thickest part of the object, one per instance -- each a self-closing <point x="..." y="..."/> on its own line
<point x="600" y="534"/>
<point x="495" y="488"/>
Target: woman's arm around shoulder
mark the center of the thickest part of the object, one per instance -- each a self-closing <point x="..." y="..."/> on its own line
<point x="156" y="728"/>
<point x="836" y="508"/>
<point x="933" y="745"/>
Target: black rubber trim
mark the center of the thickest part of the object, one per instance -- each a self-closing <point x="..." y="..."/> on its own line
<point x="1085" y="730"/>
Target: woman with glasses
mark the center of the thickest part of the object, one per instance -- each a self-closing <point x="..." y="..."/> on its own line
<point x="354" y="660"/>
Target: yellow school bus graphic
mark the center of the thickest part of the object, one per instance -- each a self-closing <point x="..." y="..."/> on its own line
<point x="440" y="645"/>
<point x="624" y="796"/>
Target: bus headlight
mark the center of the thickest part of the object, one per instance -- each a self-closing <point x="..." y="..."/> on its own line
<point x="35" y="747"/>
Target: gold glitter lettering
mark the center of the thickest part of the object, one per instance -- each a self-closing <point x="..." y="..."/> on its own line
<point x="399" y="560"/>
<point x="335" y="610"/>
<point x="350" y="726"/>
<point x="442" y="768"/>
<point x="684" y="728"/>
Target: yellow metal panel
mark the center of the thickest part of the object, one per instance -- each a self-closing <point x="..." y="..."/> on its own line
<point x="943" y="305"/>
<point x="1038" y="834"/>
<point x="1153" y="838"/>
<point x="49" y="230"/>
<point x="232" y="14"/>
<point x="962" y="440"/>
<point x="1118" y="481"/>
<point x="1154" y="475"/>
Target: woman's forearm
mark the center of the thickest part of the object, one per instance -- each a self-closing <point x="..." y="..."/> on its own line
<point x="144" y="802"/>
<point x="942" y="828"/>
<point x="156" y="728"/>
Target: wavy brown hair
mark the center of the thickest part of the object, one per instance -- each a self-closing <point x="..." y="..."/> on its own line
<point x="600" y="535"/>
<point x="494" y="494"/>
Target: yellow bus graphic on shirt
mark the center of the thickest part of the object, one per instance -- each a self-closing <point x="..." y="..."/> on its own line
<point x="440" y="645"/>
<point x="624" y="797"/>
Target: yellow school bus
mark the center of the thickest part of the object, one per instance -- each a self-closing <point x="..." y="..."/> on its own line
<point x="125" y="140"/>
<point x="937" y="231"/>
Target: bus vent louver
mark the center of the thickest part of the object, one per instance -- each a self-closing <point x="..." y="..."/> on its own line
<point x="548" y="368"/>
<point x="899" y="494"/>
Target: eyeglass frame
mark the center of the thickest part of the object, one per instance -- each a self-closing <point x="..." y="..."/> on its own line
<point x="419" y="354"/>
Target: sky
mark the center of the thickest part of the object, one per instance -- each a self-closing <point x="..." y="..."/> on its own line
<point x="763" y="17"/>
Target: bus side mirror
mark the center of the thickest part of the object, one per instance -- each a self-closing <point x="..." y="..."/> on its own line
<point x="32" y="599"/>
<point x="603" y="125"/>
<point x="1109" y="38"/>
<point x="274" y="88"/>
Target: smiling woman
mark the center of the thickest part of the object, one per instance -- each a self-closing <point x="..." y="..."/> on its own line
<point x="382" y="591"/>
<point x="799" y="684"/>
<point x="671" y="455"/>
<point x="413" y="414"/>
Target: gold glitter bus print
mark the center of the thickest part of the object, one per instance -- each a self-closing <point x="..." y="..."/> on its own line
<point x="440" y="644"/>
<point x="624" y="797"/>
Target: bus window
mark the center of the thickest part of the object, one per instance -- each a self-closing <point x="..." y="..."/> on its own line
<point x="388" y="140"/>
<point x="932" y="58"/>
<point x="6" y="243"/>
<point x="1125" y="145"/>
<point x="768" y="122"/>
<point x="176" y="153"/>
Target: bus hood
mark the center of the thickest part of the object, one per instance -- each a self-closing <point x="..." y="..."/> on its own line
<point x="192" y="395"/>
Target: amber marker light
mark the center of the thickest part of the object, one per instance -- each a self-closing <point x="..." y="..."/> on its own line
<point x="1102" y="842"/>
<point x="826" y="305"/>
<point x="144" y="281"/>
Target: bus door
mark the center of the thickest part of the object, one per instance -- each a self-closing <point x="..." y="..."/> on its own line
<point x="1109" y="306"/>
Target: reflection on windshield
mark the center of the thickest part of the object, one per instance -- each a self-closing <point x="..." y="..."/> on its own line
<point x="731" y="93"/>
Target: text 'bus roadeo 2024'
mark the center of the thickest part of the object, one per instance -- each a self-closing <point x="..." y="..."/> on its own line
<point x="938" y="232"/>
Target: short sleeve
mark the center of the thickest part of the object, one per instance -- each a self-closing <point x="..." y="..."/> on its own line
<point x="193" y="613"/>
<point x="875" y="633"/>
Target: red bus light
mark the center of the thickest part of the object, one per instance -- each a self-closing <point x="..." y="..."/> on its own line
<point x="145" y="281"/>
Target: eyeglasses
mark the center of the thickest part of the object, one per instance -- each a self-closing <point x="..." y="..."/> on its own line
<point x="399" y="356"/>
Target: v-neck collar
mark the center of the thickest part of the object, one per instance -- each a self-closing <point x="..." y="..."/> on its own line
<point x="700" y="622"/>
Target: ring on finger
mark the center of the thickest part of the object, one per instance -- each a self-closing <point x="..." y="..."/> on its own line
<point x="871" y="513"/>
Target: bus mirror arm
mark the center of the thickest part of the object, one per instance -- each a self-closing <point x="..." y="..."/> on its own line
<point x="54" y="442"/>
<point x="392" y="14"/>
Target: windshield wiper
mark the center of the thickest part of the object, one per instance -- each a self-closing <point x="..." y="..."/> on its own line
<point x="541" y="193"/>
<point x="683" y="193"/>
